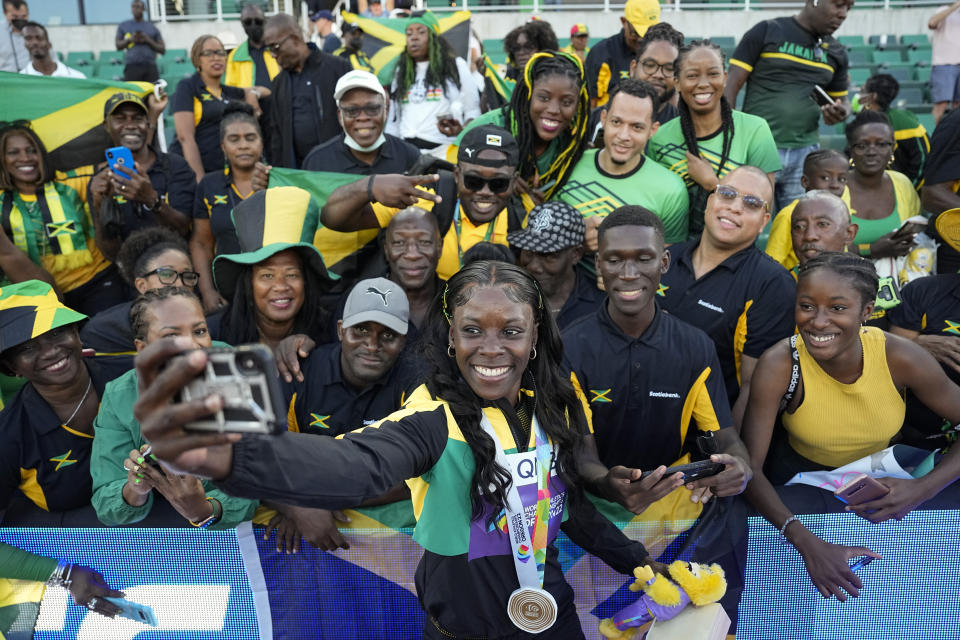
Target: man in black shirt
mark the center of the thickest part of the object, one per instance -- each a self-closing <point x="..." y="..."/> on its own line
<point x="609" y="61"/>
<point x="302" y="110"/>
<point x="942" y="182"/>
<point x="550" y="247"/>
<point x="723" y="284"/>
<point x="363" y="148"/>
<point x="249" y="64"/>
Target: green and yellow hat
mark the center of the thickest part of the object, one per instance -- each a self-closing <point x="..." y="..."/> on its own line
<point x="268" y="222"/>
<point x="29" y="309"/>
<point x="427" y="18"/>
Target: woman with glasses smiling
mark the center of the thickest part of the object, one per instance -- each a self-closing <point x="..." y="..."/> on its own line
<point x="149" y="259"/>
<point x="880" y="199"/>
<point x="198" y="105"/>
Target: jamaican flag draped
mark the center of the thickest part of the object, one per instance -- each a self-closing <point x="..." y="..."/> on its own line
<point x="67" y="113"/>
<point x="384" y="39"/>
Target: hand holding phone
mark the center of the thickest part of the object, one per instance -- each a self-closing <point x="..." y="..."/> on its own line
<point x="860" y="489"/>
<point x="692" y="471"/>
<point x="120" y="157"/>
<point x="135" y="611"/>
<point x="820" y="96"/>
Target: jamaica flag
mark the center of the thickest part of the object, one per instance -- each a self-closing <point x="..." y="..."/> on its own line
<point x="384" y="39"/>
<point x="67" y="113"/>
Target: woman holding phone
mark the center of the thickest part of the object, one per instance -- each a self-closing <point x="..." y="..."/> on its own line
<point x="495" y="352"/>
<point x="847" y="404"/>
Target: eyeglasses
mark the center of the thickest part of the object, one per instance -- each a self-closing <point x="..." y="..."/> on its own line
<point x="275" y="47"/>
<point x="210" y="53"/>
<point x="751" y="202"/>
<point x="372" y="110"/>
<point x="650" y="67"/>
<point x="476" y="183"/>
<point x="249" y="22"/>
<point x="167" y="275"/>
<point x="860" y="147"/>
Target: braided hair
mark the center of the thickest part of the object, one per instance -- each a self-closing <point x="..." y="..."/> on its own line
<point x="517" y="115"/>
<point x="139" y="324"/>
<point x="815" y="158"/>
<point x="558" y="409"/>
<point x="698" y="200"/>
<point x="860" y="272"/>
<point x="442" y="67"/>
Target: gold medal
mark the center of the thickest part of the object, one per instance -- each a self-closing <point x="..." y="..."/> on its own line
<point x="532" y="610"/>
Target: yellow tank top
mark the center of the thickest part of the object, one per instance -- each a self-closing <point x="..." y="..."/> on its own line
<point x="838" y="423"/>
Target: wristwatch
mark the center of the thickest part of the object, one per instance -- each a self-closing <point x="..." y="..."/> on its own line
<point x="156" y="205"/>
<point x="213" y="518"/>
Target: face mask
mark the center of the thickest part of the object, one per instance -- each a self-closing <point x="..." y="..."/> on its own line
<point x="350" y="142"/>
<point x="255" y="32"/>
<point x="19" y="23"/>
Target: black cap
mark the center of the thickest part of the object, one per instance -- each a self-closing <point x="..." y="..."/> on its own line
<point x="350" y="27"/>
<point x="118" y="99"/>
<point x="489" y="136"/>
<point x="551" y="226"/>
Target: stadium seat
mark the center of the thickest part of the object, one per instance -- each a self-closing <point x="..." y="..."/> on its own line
<point x="860" y="57"/>
<point x="915" y="40"/>
<point x="851" y="41"/>
<point x="724" y="41"/>
<point x="109" y="72"/>
<point x="919" y="56"/>
<point x="926" y="119"/>
<point x="80" y="59"/>
<point x="177" y="55"/>
<point x="110" y="58"/>
<point x="837" y="142"/>
<point x="859" y="76"/>
<point x="882" y="56"/>
<point x="921" y="74"/>
<point x="908" y="95"/>
<point x="883" y="41"/>
<point x="901" y="73"/>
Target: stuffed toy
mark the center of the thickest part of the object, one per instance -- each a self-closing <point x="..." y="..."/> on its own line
<point x="663" y="598"/>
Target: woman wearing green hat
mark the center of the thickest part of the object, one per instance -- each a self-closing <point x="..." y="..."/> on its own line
<point x="276" y="284"/>
<point x="47" y="429"/>
<point x="433" y="94"/>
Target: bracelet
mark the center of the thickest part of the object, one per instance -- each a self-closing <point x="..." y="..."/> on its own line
<point x="156" y="205"/>
<point x="213" y="518"/>
<point x="784" y="528"/>
<point x="370" y="197"/>
<point x="61" y="575"/>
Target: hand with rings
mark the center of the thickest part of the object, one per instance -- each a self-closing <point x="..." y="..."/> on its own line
<point x="90" y="590"/>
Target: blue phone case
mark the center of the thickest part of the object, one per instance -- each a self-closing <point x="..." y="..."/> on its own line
<point x="135" y="611"/>
<point x="120" y="156"/>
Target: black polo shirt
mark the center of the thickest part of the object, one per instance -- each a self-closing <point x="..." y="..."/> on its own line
<point x="584" y="300"/>
<point x="215" y="199"/>
<point x="172" y="178"/>
<point x="325" y="404"/>
<point x="943" y="167"/>
<point x="396" y="156"/>
<point x="645" y="392"/>
<point x="207" y="110"/>
<point x="40" y="457"/>
<point x="745" y="304"/>
<point x="930" y="306"/>
<point x="607" y="63"/>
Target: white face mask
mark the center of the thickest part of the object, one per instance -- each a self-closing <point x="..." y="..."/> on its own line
<point x="353" y="144"/>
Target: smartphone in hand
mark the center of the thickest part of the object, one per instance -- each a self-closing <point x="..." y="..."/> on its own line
<point x="120" y="157"/>
<point x="861" y="489"/>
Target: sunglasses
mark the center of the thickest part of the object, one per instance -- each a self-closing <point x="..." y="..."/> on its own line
<point x="167" y="275"/>
<point x="372" y="110"/>
<point x="476" y="183"/>
<point x="275" y="47"/>
<point x="751" y="202"/>
<point x="249" y="22"/>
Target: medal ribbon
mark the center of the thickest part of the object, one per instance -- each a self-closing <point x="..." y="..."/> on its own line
<point x="456" y="228"/>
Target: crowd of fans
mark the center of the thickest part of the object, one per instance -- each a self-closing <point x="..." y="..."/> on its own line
<point x="574" y="245"/>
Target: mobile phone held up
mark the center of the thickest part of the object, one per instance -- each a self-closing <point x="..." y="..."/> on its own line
<point x="245" y="377"/>
<point x="692" y="471"/>
<point x="134" y="611"/>
<point x="120" y="157"/>
<point x="860" y="489"/>
<point x="820" y="96"/>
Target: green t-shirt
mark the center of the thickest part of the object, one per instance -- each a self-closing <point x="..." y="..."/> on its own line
<point x="593" y="191"/>
<point x="752" y="144"/>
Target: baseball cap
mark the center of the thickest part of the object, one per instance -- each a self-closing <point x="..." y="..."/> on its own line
<point x="552" y="226"/>
<point x="377" y="300"/>
<point x="118" y="99"/>
<point x="358" y="79"/>
<point x="349" y="27"/>
<point x="322" y="13"/>
<point x="488" y="136"/>
<point x="579" y="29"/>
<point x="642" y="14"/>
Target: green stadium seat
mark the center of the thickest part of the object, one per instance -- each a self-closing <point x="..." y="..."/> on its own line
<point x="859" y="76"/>
<point x="177" y="55"/>
<point x="926" y="119"/>
<point x="109" y="72"/>
<point x="919" y="56"/>
<point x="902" y="74"/>
<point x="919" y="108"/>
<point x="80" y="60"/>
<point x="174" y="73"/>
<point x="883" y="41"/>
<point x="113" y="58"/>
<point x="915" y="40"/>
<point x="886" y="56"/>
<point x="860" y="57"/>
<point x="833" y="141"/>
<point x="908" y="95"/>
<point x="921" y="74"/>
<point x="851" y="41"/>
<point x="724" y="41"/>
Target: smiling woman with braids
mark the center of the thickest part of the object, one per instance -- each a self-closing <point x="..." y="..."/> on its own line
<point x="433" y="94"/>
<point x="497" y="388"/>
<point x="548" y="116"/>
<point x="709" y="139"/>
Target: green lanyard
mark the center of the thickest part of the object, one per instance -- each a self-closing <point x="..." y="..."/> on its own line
<point x="456" y="228"/>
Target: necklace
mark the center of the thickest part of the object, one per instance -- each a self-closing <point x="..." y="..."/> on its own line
<point x="73" y="415"/>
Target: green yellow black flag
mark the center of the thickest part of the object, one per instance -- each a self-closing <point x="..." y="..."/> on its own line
<point x="384" y="39"/>
<point x="67" y="113"/>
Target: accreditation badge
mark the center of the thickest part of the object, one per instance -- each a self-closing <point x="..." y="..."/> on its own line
<point x="532" y="610"/>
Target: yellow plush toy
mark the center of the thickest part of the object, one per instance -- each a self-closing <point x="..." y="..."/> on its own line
<point x="689" y="583"/>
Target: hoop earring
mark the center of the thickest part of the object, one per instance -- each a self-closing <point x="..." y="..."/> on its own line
<point x="450" y="351"/>
<point x="533" y="353"/>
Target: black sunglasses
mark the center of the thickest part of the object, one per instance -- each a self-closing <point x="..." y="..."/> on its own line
<point x="249" y="22"/>
<point x="167" y="275"/>
<point x="476" y="183"/>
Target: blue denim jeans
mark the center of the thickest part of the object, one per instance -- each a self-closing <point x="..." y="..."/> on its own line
<point x="788" y="187"/>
